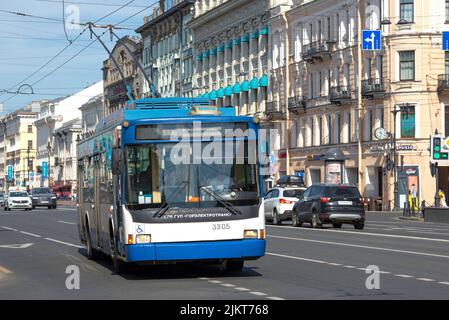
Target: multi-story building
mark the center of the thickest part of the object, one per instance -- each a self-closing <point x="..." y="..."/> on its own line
<point x="64" y="154"/>
<point x="124" y="71"/>
<point x="168" y="48"/>
<point x="403" y="89"/>
<point x="20" y="146"/>
<point x="91" y="113"/>
<point x="52" y="116"/>
<point x="231" y="47"/>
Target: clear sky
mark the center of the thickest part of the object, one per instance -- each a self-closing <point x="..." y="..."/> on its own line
<point x="27" y="43"/>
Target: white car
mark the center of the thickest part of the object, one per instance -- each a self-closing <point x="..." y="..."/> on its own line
<point x="18" y="200"/>
<point x="279" y="202"/>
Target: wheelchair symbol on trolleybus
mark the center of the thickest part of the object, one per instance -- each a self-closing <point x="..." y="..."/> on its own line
<point x="139" y="229"/>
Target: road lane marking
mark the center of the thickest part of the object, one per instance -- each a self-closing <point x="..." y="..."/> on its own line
<point x="66" y="222"/>
<point x="425" y="279"/>
<point x="31" y="234"/>
<point x="243" y="289"/>
<point x="355" y="268"/>
<point x="297" y="258"/>
<point x="215" y="281"/>
<point x="65" y="243"/>
<point x="11" y="229"/>
<point x="16" y="246"/>
<point x="363" y="247"/>
<point x="257" y="293"/>
<point x="364" y="233"/>
<point x="444" y="282"/>
<point x="5" y="270"/>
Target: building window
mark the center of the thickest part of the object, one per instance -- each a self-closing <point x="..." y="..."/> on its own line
<point x="30" y="129"/>
<point x="337" y="128"/>
<point x="407" y="11"/>
<point x="408" y="124"/>
<point x="407" y="65"/>
<point x="30" y="144"/>
<point x="447" y="10"/>
<point x="446" y="62"/>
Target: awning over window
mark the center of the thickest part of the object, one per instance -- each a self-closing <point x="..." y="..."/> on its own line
<point x="245" y="86"/>
<point x="236" y="88"/>
<point x="220" y="93"/>
<point x="212" y="95"/>
<point x="254" y="84"/>
<point x="228" y="91"/>
<point x="263" y="82"/>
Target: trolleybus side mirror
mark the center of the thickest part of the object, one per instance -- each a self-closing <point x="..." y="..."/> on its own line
<point x="117" y="156"/>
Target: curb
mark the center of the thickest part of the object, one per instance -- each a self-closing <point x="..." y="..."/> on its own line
<point x="411" y="219"/>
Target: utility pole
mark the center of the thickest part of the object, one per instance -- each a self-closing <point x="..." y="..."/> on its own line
<point x="395" y="171"/>
<point x="359" y="98"/>
<point x="286" y="91"/>
<point x="48" y="163"/>
<point x="28" y="166"/>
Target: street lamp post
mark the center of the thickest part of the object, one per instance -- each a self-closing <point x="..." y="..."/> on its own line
<point x="406" y="110"/>
<point x="395" y="172"/>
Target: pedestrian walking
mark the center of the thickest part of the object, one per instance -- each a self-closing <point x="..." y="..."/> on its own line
<point x="414" y="201"/>
<point x="442" y="197"/>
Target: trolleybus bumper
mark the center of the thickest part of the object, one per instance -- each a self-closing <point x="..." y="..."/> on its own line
<point x="187" y="251"/>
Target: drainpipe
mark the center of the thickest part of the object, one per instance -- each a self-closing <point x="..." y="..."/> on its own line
<point x="286" y="91"/>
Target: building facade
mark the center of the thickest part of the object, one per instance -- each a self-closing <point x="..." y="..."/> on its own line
<point x="52" y="116"/>
<point x="20" y="146"/>
<point x="91" y="113"/>
<point x="168" y="48"/>
<point x="403" y="89"/>
<point x="124" y="71"/>
<point x="64" y="153"/>
<point x="231" y="53"/>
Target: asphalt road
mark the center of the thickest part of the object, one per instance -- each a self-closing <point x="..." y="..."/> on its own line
<point x="301" y="263"/>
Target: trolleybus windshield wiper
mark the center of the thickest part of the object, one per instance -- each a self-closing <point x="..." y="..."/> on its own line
<point x="165" y="206"/>
<point x="226" y="204"/>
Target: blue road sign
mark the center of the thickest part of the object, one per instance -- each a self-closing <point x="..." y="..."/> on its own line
<point x="44" y="169"/>
<point x="372" y="40"/>
<point x="10" y="173"/>
<point x="446" y="40"/>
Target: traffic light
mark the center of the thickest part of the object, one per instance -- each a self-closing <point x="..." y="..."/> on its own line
<point x="437" y="149"/>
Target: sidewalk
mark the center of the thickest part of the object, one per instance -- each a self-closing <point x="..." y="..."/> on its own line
<point x="66" y="203"/>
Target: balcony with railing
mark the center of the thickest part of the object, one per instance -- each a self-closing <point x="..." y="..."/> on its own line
<point x="340" y="95"/>
<point x="297" y="103"/>
<point x="373" y="88"/>
<point x="443" y="83"/>
<point x="274" y="110"/>
<point x="317" y="50"/>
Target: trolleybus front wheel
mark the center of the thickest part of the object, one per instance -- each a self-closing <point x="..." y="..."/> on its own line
<point x="235" y="265"/>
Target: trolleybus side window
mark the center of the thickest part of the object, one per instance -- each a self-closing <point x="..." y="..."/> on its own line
<point x="88" y="181"/>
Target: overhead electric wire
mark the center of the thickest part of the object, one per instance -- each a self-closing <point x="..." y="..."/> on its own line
<point x="62" y="50"/>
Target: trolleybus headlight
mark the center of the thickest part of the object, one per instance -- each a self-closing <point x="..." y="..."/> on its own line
<point x="250" y="234"/>
<point x="143" y="238"/>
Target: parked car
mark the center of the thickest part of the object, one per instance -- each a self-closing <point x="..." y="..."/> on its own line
<point x="2" y="198"/>
<point x="43" y="197"/>
<point x="278" y="203"/>
<point x="291" y="181"/>
<point x="18" y="200"/>
<point x="330" y="204"/>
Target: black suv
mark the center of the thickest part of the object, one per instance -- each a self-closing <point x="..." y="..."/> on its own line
<point x="43" y="197"/>
<point x="294" y="181"/>
<point x="333" y="204"/>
